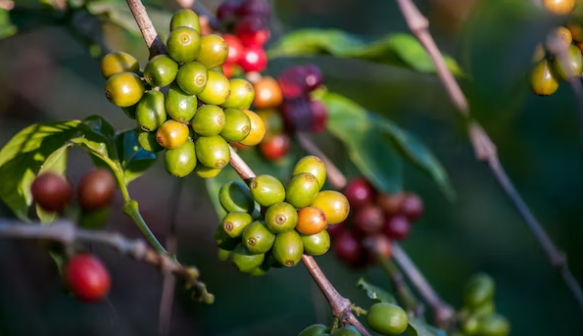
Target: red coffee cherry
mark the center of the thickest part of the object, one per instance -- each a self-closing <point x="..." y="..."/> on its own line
<point x="227" y="10"/>
<point x="252" y="31"/>
<point x="87" y="278"/>
<point x="368" y="220"/>
<point x="253" y="59"/>
<point x="412" y="207"/>
<point x="293" y="82"/>
<point x="378" y="245"/>
<point x="348" y="248"/>
<point x="228" y="69"/>
<point x="275" y="147"/>
<point x="319" y="116"/>
<point x="359" y="192"/>
<point x="235" y="49"/>
<point x="51" y="192"/>
<point x="335" y="230"/>
<point x="296" y="114"/>
<point x="391" y="204"/>
<point x="396" y="227"/>
<point x="258" y="8"/>
<point x="313" y="77"/>
<point x="96" y="189"/>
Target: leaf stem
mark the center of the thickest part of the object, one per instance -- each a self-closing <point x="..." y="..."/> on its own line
<point x="131" y="209"/>
<point x="398" y="283"/>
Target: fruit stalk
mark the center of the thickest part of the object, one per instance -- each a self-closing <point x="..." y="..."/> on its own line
<point x="153" y="42"/>
<point x="407" y="298"/>
<point x="485" y="149"/>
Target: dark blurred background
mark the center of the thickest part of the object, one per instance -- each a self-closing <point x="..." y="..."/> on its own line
<point x="46" y="74"/>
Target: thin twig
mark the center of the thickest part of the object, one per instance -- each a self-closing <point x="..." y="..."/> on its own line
<point x="398" y="283"/>
<point x="334" y="175"/>
<point x="6" y="4"/>
<point x="202" y="11"/>
<point x="485" y="149"/>
<point x="153" y="42"/>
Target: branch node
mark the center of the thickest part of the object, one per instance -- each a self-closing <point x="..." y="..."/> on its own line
<point x="483" y="145"/>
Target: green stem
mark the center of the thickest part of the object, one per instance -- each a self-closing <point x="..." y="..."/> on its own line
<point x="131" y="209"/>
<point x="404" y="294"/>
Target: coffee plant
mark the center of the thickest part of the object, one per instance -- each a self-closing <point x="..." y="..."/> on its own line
<point x="205" y="104"/>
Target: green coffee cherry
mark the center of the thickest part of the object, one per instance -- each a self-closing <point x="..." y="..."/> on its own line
<point x="218" y="69"/>
<point x="387" y="319"/>
<point x="151" y="112"/>
<point x="223" y="255"/>
<point x="346" y="331"/>
<point x="223" y="240"/>
<point x="192" y="78"/>
<point x="160" y="71"/>
<point x="244" y="260"/>
<point x="148" y="142"/>
<point x="242" y="94"/>
<point x="479" y="290"/>
<point x="313" y="165"/>
<point x="118" y="62"/>
<point x="217" y="89"/>
<point x="213" y="152"/>
<point x="288" y="248"/>
<point x="281" y="217"/>
<point x="493" y="325"/>
<point x="301" y="190"/>
<point x="314" y="330"/>
<point x="213" y="51"/>
<point x="574" y="64"/>
<point x="180" y="105"/>
<point x="486" y="308"/>
<point x="469" y="326"/>
<point x="205" y="172"/>
<point x="316" y="244"/>
<point x="180" y="161"/>
<point x="185" y="18"/>
<point x="274" y="123"/>
<point x="209" y="120"/>
<point x="257" y="238"/>
<point x="237" y="125"/>
<point x="267" y="190"/>
<point x="234" y="223"/>
<point x="259" y="271"/>
<point x="184" y="44"/>
<point x="236" y="197"/>
<point x="130" y="111"/>
<point x="124" y="89"/>
<point x="94" y="220"/>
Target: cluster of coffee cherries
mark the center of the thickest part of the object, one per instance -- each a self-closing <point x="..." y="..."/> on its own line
<point x="478" y="317"/>
<point x="384" y="318"/>
<point x="183" y="103"/>
<point x="269" y="225"/>
<point x="84" y="274"/>
<point x="377" y="220"/>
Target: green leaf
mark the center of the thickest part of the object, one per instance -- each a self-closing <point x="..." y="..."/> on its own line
<point x="419" y="328"/>
<point x="134" y="160"/>
<point x="375" y="293"/>
<point x="96" y="149"/>
<point x="98" y="138"/>
<point x="370" y="150"/>
<point x="402" y="50"/>
<point x="55" y="163"/>
<point x="22" y="158"/>
<point x="7" y="29"/>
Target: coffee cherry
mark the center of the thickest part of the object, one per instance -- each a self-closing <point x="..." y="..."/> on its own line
<point x="257" y="129"/>
<point x="258" y="8"/>
<point x="272" y="120"/>
<point x="192" y="78"/>
<point x="543" y="80"/>
<point x="253" y="31"/>
<point x="151" y="111"/>
<point x="311" y="221"/>
<point x="205" y="172"/>
<point x="257" y="238"/>
<point x="253" y="59"/>
<point x="230" y="69"/>
<point x="87" y="278"/>
<point x="180" y="105"/>
<point x="217" y="89"/>
<point x="180" y="161"/>
<point x="118" y="62"/>
<point x="227" y="10"/>
<point x="235" y="49"/>
<point x="276" y="147"/>
<point x="93" y="220"/>
<point x="359" y="192"/>
<point x="559" y="7"/>
<point x="387" y="319"/>
<point x="51" y="192"/>
<point x="539" y="53"/>
<point x="184" y="44"/>
<point x="209" y="120"/>
<point x="302" y="190"/>
<point x="172" y="134"/>
<point x="213" y="51"/>
<point x="334" y="205"/>
<point x="281" y="217"/>
<point x="130" y="111"/>
<point x="235" y="223"/>
<point x="563" y="35"/>
<point x="267" y="93"/>
<point x="213" y="152"/>
<point x="223" y="240"/>
<point x="124" y="89"/>
<point x="575" y="29"/>
<point x="237" y="125"/>
<point x="574" y="66"/>
<point x="96" y="189"/>
<point x="335" y="230"/>
<point x="312" y="77"/>
<point x="313" y="165"/>
<point x="469" y="325"/>
<point x="397" y="227"/>
<point x="185" y="18"/>
<point x="348" y="248"/>
<point x="297" y="114"/>
<point x="493" y="325"/>
<point x="261" y="270"/>
<point x="288" y="248"/>
<point x="391" y="204"/>
<point x="316" y="244"/>
<point x="368" y="220"/>
<point x="292" y="82"/>
<point x="314" y="330"/>
<point x="147" y="141"/>
<point x="223" y="255"/>
<point x="412" y="207"/>
<point x="347" y="331"/>
<point x="479" y="290"/>
<point x="236" y="197"/>
<point x="160" y="71"/>
<point x="244" y="260"/>
<point x="487" y="308"/>
<point x="242" y="94"/>
<point x="267" y="190"/>
<point x="378" y="246"/>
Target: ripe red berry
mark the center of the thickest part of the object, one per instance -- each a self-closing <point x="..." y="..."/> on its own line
<point x="253" y="59"/>
<point x="368" y="220"/>
<point x="335" y="230"/>
<point x="252" y="31"/>
<point x="379" y="245"/>
<point x="397" y="227"/>
<point x="276" y="147"/>
<point x="412" y="207"/>
<point x="292" y="82"/>
<point x="312" y="76"/>
<point x="296" y="114"/>
<point x="51" y="192"/>
<point x="359" y="192"/>
<point x="227" y="10"/>
<point x="319" y="116"/>
<point x="259" y="8"/>
<point x="391" y="204"/>
<point x="87" y="278"/>
<point x="229" y="69"/>
<point x="96" y="189"/>
<point x="348" y="248"/>
<point x="235" y="49"/>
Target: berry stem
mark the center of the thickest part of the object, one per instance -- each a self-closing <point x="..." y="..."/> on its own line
<point x="131" y="209"/>
<point x="484" y="147"/>
<point x="153" y="42"/>
<point x="403" y="291"/>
